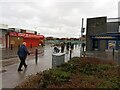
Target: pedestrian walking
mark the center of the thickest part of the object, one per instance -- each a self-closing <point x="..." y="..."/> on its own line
<point x="56" y="49"/>
<point x="72" y="46"/>
<point x="67" y="46"/>
<point x="22" y="53"/>
<point x="62" y="47"/>
<point x="83" y="47"/>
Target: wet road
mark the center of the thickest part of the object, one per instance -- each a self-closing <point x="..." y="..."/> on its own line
<point x="11" y="77"/>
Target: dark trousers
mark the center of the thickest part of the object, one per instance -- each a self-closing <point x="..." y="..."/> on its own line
<point x="83" y="48"/>
<point x="22" y="62"/>
<point x="67" y="48"/>
<point x="62" y="49"/>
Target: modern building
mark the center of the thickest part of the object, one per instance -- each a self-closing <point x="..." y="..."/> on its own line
<point x="103" y="34"/>
<point x="13" y="37"/>
<point x="119" y="9"/>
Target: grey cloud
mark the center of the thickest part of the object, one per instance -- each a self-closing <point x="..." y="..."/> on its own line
<point x="60" y="18"/>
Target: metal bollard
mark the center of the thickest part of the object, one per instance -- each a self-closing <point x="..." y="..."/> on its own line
<point x="84" y="54"/>
<point x="31" y="46"/>
<point x="36" y="55"/>
<point x="70" y="53"/>
<point x="113" y="51"/>
<point x="11" y="47"/>
<point x="18" y="46"/>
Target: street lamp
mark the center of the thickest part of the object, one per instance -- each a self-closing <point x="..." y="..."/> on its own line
<point x="81" y="41"/>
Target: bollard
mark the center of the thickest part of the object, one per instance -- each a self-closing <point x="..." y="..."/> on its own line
<point x="18" y="46"/>
<point x="113" y="51"/>
<point x="31" y="46"/>
<point x="84" y="54"/>
<point x="11" y="47"/>
<point x="70" y="53"/>
<point x="36" y="55"/>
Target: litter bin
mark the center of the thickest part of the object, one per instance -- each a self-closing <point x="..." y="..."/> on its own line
<point x="58" y="59"/>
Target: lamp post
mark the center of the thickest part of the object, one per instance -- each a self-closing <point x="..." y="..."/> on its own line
<point x="82" y="31"/>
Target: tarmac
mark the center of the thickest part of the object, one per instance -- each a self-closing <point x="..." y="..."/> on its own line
<point x="11" y="77"/>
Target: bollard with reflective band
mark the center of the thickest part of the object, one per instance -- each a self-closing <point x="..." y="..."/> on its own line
<point x="70" y="53"/>
<point x="113" y="51"/>
<point x="36" y="55"/>
<point x="11" y="46"/>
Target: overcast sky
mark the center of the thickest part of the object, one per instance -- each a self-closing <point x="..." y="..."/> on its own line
<point x="58" y="18"/>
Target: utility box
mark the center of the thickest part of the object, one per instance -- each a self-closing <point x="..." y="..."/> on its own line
<point x="58" y="59"/>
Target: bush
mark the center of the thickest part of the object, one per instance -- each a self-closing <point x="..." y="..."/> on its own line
<point x="54" y="76"/>
<point x="91" y="69"/>
<point x="79" y="72"/>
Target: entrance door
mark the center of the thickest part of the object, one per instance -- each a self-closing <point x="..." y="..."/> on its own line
<point x="95" y="44"/>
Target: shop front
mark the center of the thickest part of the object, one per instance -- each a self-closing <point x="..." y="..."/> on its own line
<point x="32" y="40"/>
<point x="107" y="41"/>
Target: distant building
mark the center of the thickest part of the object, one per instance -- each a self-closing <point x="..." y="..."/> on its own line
<point x="103" y="34"/>
<point x="49" y="38"/>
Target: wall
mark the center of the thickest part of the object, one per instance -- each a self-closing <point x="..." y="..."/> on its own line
<point x="112" y="27"/>
<point x="3" y="33"/>
<point x="96" y="25"/>
<point x="119" y="28"/>
<point x="31" y="42"/>
<point x="0" y="38"/>
<point x="119" y="9"/>
<point x="103" y="44"/>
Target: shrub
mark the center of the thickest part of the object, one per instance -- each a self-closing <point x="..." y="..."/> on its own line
<point x="91" y="69"/>
<point x="54" y="76"/>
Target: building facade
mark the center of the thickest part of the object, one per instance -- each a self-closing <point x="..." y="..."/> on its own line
<point x="95" y="26"/>
<point x="119" y="13"/>
<point x="12" y="38"/>
<point x="3" y="36"/>
<point x="103" y="34"/>
<point x="32" y="39"/>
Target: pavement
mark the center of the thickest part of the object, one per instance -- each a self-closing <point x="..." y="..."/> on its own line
<point x="8" y="53"/>
<point x="105" y="55"/>
<point x="10" y="77"/>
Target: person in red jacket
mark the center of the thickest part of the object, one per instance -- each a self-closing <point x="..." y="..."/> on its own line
<point x="22" y="53"/>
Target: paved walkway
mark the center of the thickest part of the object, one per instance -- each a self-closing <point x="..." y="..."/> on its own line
<point x="11" y="77"/>
<point x="105" y="55"/>
<point x="8" y="53"/>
